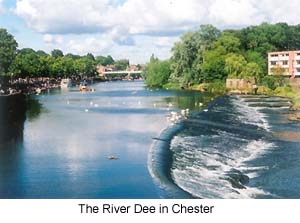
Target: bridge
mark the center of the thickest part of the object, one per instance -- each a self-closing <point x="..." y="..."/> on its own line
<point x="121" y="72"/>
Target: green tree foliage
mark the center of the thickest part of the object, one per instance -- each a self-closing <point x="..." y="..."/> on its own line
<point x="235" y="65"/>
<point x="29" y="63"/>
<point x="188" y="54"/>
<point x="252" y="70"/>
<point x="228" y="42"/>
<point x="90" y="56"/>
<point x="26" y="64"/>
<point x="157" y="72"/>
<point x="213" y="67"/>
<point x="73" y="56"/>
<point x="57" y="53"/>
<point x="104" y="61"/>
<point x="122" y="64"/>
<point x="208" y="55"/>
<point x="86" y="67"/>
<point x="8" y="47"/>
<point x="259" y="59"/>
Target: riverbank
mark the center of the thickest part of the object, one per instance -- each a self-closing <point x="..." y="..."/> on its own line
<point x="291" y="92"/>
<point x="30" y="86"/>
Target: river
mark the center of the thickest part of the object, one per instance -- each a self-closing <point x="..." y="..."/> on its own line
<point x="227" y="148"/>
<point x="68" y="137"/>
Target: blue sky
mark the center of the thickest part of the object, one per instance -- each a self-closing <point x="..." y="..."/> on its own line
<point x="131" y="29"/>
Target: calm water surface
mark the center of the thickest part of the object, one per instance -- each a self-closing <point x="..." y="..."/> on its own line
<point x="68" y="137"/>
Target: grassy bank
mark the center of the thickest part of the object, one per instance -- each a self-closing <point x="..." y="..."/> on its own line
<point x="291" y="92"/>
<point x="219" y="88"/>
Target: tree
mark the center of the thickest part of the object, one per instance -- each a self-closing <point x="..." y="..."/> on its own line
<point x="212" y="68"/>
<point x="252" y="70"/>
<point x="8" y="49"/>
<point x="57" y="53"/>
<point x="157" y="72"/>
<point x="85" y="67"/>
<point x="258" y="58"/>
<point x="229" y="42"/>
<point x="234" y="65"/>
<point x="122" y="64"/>
<point x="90" y="56"/>
<point x="278" y="70"/>
<point x="73" y="56"/>
<point x="188" y="54"/>
<point x="41" y="53"/>
<point x="104" y="61"/>
<point x="26" y="64"/>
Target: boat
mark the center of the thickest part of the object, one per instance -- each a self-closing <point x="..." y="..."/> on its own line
<point x="83" y="86"/>
<point x="66" y="83"/>
<point x="112" y="158"/>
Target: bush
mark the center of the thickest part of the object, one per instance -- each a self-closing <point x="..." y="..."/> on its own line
<point x="217" y="87"/>
<point x="157" y="73"/>
<point x="264" y="90"/>
<point x="283" y="91"/>
<point x="269" y="82"/>
<point x="171" y="86"/>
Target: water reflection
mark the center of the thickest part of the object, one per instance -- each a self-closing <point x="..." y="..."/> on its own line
<point x="188" y="99"/>
<point x="34" y="108"/>
<point x="12" y="118"/>
<point x="69" y="136"/>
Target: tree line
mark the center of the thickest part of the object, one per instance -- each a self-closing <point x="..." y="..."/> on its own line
<point x="209" y="55"/>
<point x="26" y="62"/>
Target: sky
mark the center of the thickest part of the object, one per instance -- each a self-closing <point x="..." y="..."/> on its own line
<point x="133" y="29"/>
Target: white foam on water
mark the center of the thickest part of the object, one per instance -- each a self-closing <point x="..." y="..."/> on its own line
<point x="201" y="169"/>
<point x="250" y="115"/>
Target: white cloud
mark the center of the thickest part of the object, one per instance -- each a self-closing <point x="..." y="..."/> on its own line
<point x="235" y="13"/>
<point x="100" y="26"/>
<point x="88" y="45"/>
<point x="165" y="41"/>
<point x="68" y="16"/>
<point x="156" y="17"/>
<point x="53" y="39"/>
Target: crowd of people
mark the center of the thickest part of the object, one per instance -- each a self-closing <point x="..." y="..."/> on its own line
<point x="28" y="86"/>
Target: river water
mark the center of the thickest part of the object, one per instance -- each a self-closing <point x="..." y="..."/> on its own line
<point x="225" y="149"/>
<point x="69" y="136"/>
<point x="230" y="150"/>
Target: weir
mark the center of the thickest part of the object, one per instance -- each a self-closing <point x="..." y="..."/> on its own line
<point x="160" y="163"/>
<point x="198" y="123"/>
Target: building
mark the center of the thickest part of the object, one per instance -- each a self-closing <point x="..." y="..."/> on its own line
<point x="240" y="84"/>
<point x="285" y="63"/>
<point x="101" y="69"/>
<point x="133" y="68"/>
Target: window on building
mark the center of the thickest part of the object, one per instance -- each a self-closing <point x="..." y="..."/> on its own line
<point x="274" y="55"/>
<point x="285" y="62"/>
<point x="273" y="63"/>
<point x="297" y="61"/>
<point x="298" y="70"/>
<point x="298" y="54"/>
<point x="287" y="54"/>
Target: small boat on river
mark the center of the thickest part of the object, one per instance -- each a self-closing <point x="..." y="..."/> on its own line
<point x="84" y="87"/>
